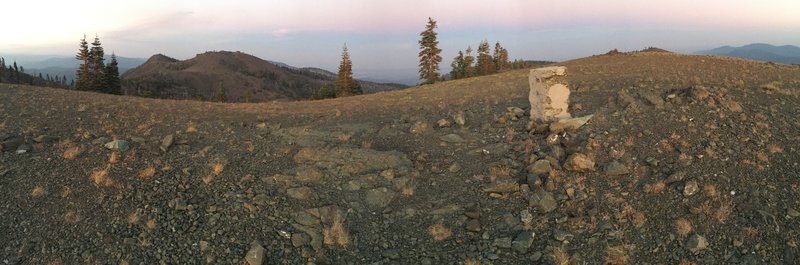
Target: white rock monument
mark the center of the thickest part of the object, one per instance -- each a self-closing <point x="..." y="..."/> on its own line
<point x="549" y="95"/>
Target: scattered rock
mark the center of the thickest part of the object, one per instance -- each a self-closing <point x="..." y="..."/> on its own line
<point x="675" y="177"/>
<point x="504" y="242"/>
<point x="541" y="167"/>
<point x="543" y="201"/>
<point x="698" y="92"/>
<point x="526" y="217"/>
<point x="166" y="142"/>
<point x="452" y="138"/>
<point x="515" y="112"/>
<point x="505" y="186"/>
<point x="118" y="145"/>
<point x="473" y="225"/>
<point x="523" y="241"/>
<point x="691" y="188"/>
<point x="579" y="163"/>
<point x="352" y="161"/>
<point x="653" y="98"/>
<point x="792" y="213"/>
<point x="45" y="138"/>
<point x="178" y="204"/>
<point x="420" y="127"/>
<point x="443" y="123"/>
<point x="301" y="193"/>
<point x="11" y="143"/>
<point x="534" y="181"/>
<point x="459" y="118"/>
<point x="379" y="198"/>
<point x="255" y="256"/>
<point x="615" y="168"/>
<point x="455" y="167"/>
<point x="696" y="243"/>
<point x="562" y="236"/>
<point x="101" y="140"/>
<point x="300" y="239"/>
<point x="569" y="124"/>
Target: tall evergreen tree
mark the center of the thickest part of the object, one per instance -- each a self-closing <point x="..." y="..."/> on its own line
<point x="83" y="74"/>
<point x="469" y="60"/>
<point x="457" y="67"/>
<point x="16" y="73"/>
<point x="111" y="73"/>
<point x="500" y="57"/>
<point x="429" y="54"/>
<point x="345" y="84"/>
<point x="219" y="95"/>
<point x="97" y="67"/>
<point x="485" y="62"/>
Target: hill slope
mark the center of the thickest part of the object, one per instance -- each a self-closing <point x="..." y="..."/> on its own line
<point x="245" y="78"/>
<point x="693" y="160"/>
<point x="787" y="54"/>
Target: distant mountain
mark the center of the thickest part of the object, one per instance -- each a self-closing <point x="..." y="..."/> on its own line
<point x="242" y="76"/>
<point x="61" y="65"/>
<point x="787" y="54"/>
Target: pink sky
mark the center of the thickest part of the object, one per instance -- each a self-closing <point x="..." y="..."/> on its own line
<point x="554" y="30"/>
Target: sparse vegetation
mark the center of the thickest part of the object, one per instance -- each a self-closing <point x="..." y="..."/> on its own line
<point x="440" y="232"/>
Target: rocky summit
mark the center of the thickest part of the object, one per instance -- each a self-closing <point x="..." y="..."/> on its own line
<point x="672" y="159"/>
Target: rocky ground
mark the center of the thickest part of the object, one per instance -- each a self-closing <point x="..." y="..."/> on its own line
<point x="687" y="160"/>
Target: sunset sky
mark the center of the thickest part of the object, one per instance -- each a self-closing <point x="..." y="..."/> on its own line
<point x="382" y="35"/>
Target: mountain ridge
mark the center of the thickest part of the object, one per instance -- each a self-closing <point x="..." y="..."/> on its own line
<point x="787" y="54"/>
<point x="243" y="77"/>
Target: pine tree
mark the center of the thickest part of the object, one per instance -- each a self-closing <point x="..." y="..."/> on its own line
<point x="345" y="84"/>
<point x="469" y="60"/>
<point x="429" y="54"/>
<point x="485" y="62"/>
<point x="82" y="75"/>
<point x="500" y="57"/>
<point x="111" y="75"/>
<point x="16" y="73"/>
<point x="219" y="95"/>
<point x="325" y="91"/>
<point x="457" y="67"/>
<point x="97" y="67"/>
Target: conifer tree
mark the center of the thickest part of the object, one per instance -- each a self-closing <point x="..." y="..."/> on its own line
<point x="457" y="66"/>
<point x="83" y="75"/>
<point x="345" y="84"/>
<point x="500" y="57"/>
<point x="219" y="95"/>
<point x="111" y="75"/>
<point x="485" y="62"/>
<point x="429" y="54"/>
<point x="97" y="67"/>
<point x="469" y="60"/>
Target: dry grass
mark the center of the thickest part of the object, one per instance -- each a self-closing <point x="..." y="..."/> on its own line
<point x="150" y="224"/>
<point x="499" y="172"/>
<point x="72" y="217"/>
<point x="208" y="178"/>
<point x="711" y="191"/>
<point x="683" y="227"/>
<point x="440" y="232"/>
<point x="191" y="128"/>
<point x="722" y="212"/>
<point x="336" y="234"/>
<point x="686" y="262"/>
<point x="750" y="232"/>
<point x="762" y="156"/>
<point x="559" y="256"/>
<point x="510" y="133"/>
<point x="134" y="217"/>
<point x="100" y="177"/>
<point x="37" y="192"/>
<point x="657" y="187"/>
<point x="345" y="136"/>
<point x="113" y="158"/>
<point x="148" y="172"/>
<point x="616" y="255"/>
<point x="774" y="148"/>
<point x="218" y="168"/>
<point x="72" y="152"/>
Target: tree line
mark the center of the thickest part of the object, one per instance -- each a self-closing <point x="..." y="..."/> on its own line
<point x="15" y="74"/>
<point x="93" y="74"/>
<point x="464" y="64"/>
